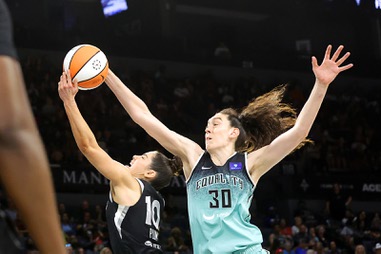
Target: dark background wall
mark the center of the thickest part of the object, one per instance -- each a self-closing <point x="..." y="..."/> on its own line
<point x="264" y="32"/>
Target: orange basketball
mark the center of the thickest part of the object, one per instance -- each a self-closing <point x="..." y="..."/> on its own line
<point x="87" y="64"/>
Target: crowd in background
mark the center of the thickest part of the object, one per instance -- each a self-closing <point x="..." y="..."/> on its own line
<point x="345" y="134"/>
<point x="346" y="139"/>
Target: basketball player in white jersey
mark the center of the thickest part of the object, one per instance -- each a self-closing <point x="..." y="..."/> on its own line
<point x="240" y="147"/>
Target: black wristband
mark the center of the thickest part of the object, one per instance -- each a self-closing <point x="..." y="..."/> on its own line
<point x="7" y="46"/>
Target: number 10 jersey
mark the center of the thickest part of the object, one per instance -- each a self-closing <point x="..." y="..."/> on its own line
<point x="219" y="198"/>
<point x="135" y="229"/>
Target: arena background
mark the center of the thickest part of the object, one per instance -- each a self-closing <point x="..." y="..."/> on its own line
<point x="270" y="43"/>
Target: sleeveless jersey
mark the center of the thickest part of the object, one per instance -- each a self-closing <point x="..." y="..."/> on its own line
<point x="135" y="229"/>
<point x="219" y="198"/>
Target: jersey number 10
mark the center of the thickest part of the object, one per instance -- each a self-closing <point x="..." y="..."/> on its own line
<point x="153" y="212"/>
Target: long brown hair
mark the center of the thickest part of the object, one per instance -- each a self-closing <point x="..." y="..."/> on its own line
<point x="262" y="120"/>
<point x="165" y="169"/>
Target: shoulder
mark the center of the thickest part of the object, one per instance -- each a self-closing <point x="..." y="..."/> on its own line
<point x="149" y="190"/>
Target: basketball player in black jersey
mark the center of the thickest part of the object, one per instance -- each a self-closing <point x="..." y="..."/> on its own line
<point x="134" y="206"/>
<point x="24" y="168"/>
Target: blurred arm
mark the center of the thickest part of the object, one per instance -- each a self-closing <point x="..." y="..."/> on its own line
<point x="24" y="168"/>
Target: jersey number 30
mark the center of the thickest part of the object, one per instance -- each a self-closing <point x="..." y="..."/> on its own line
<point x="221" y="198"/>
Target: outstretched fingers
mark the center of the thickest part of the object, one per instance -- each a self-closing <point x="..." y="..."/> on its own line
<point x="343" y="58"/>
<point x="345" y="67"/>
<point x="337" y="53"/>
<point x="328" y="52"/>
<point x="335" y="57"/>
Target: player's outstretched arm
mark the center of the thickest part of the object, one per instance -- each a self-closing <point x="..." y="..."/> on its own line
<point x="173" y="142"/>
<point x="265" y="158"/>
<point x="85" y="139"/>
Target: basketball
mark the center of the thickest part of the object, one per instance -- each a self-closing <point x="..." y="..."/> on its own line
<point x="87" y="64"/>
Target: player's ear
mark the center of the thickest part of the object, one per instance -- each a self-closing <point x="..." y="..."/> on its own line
<point x="150" y="174"/>
<point x="234" y="132"/>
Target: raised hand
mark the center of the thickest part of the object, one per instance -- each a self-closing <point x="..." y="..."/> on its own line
<point x="331" y="66"/>
<point x="66" y="88"/>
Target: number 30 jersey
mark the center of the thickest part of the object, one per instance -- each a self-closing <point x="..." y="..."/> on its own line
<point x="219" y="198"/>
<point x="135" y="229"/>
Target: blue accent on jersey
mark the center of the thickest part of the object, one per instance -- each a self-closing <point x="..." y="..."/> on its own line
<point x="235" y="165"/>
<point x="219" y="198"/>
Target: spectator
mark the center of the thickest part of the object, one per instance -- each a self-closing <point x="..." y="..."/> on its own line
<point x="360" y="249"/>
<point x="298" y="221"/>
<point x="337" y="204"/>
<point x="176" y="242"/>
<point x="285" y="229"/>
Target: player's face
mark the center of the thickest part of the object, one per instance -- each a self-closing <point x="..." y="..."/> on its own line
<point x="217" y="132"/>
<point x="141" y="164"/>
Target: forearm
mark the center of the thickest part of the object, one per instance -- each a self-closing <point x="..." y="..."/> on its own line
<point x="24" y="168"/>
<point x="27" y="179"/>
<point x="325" y="74"/>
<point x="131" y="103"/>
<point x="15" y="108"/>
<point x="82" y="133"/>
<point x="311" y="108"/>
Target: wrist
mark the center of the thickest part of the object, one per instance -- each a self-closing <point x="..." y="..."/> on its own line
<point x="321" y="85"/>
<point x="70" y="102"/>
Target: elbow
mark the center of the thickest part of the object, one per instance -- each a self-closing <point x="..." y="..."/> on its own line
<point x="86" y="147"/>
<point x="302" y="130"/>
<point x="301" y="133"/>
<point x="141" y="117"/>
<point x="83" y="148"/>
<point x="304" y="135"/>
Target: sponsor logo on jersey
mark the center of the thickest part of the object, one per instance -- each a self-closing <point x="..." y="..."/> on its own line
<point x="235" y="165"/>
<point x="153" y="245"/>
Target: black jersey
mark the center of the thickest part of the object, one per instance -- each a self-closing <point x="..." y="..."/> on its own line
<point x="135" y="229"/>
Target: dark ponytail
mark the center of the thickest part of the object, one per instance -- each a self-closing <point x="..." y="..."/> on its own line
<point x="176" y="165"/>
<point x="165" y="169"/>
